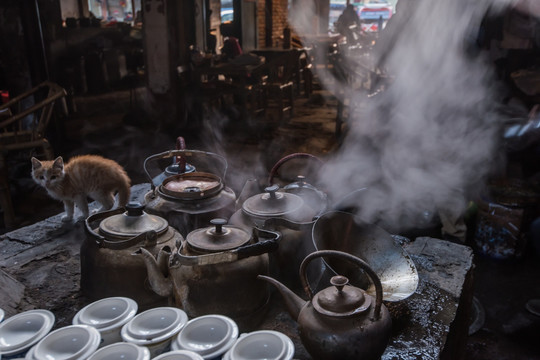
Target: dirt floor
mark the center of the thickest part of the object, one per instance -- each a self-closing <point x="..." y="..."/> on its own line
<point x="502" y="328"/>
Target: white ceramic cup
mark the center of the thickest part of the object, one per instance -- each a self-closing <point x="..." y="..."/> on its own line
<point x="107" y="316"/>
<point x="72" y="342"/>
<point x="121" y="351"/>
<point x="155" y="328"/>
<point x="179" y="355"/>
<point x="21" y="331"/>
<point x="209" y="336"/>
<point x="262" y="344"/>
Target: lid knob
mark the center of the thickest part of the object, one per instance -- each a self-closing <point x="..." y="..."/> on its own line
<point x="218" y="237"/>
<point x="271" y="190"/>
<point x="340" y="300"/>
<point x="218" y="223"/>
<point x="301" y="180"/>
<point x="134" y="208"/>
<point x="339" y="281"/>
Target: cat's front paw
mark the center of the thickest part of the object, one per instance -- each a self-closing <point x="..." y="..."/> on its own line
<point x="67" y="218"/>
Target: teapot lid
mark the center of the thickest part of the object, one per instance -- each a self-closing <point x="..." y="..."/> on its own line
<point x="341" y="300"/>
<point x="191" y="186"/>
<point x="133" y="222"/>
<point x="272" y="203"/>
<point x="300" y="184"/>
<point x="218" y="237"/>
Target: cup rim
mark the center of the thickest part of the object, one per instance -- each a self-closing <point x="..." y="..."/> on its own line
<point x="217" y="349"/>
<point x="91" y="345"/>
<point x="142" y="351"/>
<point x="165" y="356"/>
<point x="129" y="312"/>
<point x="30" y="353"/>
<point x="130" y="334"/>
<point x="287" y="351"/>
<point x="48" y="322"/>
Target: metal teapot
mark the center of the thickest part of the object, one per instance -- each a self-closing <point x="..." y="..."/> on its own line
<point x="107" y="266"/>
<point x="340" y="322"/>
<point x="179" y="165"/>
<point x="215" y="270"/>
<point x="286" y="213"/>
<point x="189" y="200"/>
<point x="312" y="196"/>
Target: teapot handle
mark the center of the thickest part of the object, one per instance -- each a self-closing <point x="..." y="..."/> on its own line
<point x="258" y="248"/>
<point x="348" y="257"/>
<point x="287" y="158"/>
<point x="149" y="237"/>
<point x="97" y="217"/>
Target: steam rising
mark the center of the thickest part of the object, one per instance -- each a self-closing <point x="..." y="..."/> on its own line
<point x="427" y="141"/>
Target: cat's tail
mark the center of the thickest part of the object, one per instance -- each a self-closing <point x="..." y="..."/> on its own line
<point x="124" y="191"/>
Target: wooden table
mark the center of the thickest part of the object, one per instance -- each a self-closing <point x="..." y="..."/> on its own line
<point x="273" y="52"/>
<point x="236" y="71"/>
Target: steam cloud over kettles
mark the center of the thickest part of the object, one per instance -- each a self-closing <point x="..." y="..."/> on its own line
<point x="427" y="141"/>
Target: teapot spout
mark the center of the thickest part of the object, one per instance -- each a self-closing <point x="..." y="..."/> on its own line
<point x="292" y="301"/>
<point x="159" y="283"/>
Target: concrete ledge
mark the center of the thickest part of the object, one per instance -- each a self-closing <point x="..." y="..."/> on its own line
<point x="40" y="268"/>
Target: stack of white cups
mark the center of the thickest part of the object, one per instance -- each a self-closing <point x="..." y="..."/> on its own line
<point x="111" y="329"/>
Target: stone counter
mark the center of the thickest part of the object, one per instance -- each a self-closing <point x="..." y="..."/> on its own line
<point x="39" y="268"/>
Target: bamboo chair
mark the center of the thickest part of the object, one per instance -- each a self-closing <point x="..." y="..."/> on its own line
<point x="24" y="129"/>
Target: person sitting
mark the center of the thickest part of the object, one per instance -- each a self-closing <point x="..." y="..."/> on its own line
<point x="231" y="45"/>
<point x="348" y="24"/>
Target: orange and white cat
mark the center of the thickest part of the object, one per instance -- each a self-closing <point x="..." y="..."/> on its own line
<point x="81" y="177"/>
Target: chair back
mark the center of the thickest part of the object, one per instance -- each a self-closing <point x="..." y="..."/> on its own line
<point x="20" y="118"/>
<point x="281" y="68"/>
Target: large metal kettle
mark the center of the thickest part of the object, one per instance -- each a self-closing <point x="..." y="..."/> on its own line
<point x="107" y="265"/>
<point x="215" y="270"/>
<point x="342" y="321"/>
<point x="286" y="213"/>
<point x="189" y="200"/>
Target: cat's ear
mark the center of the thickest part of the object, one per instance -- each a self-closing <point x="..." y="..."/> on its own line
<point x="36" y="164"/>
<point x="58" y="163"/>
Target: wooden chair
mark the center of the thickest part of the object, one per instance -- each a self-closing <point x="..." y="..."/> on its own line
<point x="279" y="86"/>
<point x="23" y="122"/>
<point x="304" y="74"/>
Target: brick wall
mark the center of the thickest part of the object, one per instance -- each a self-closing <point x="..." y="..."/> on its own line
<point x="261" y="21"/>
<point x="279" y="17"/>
